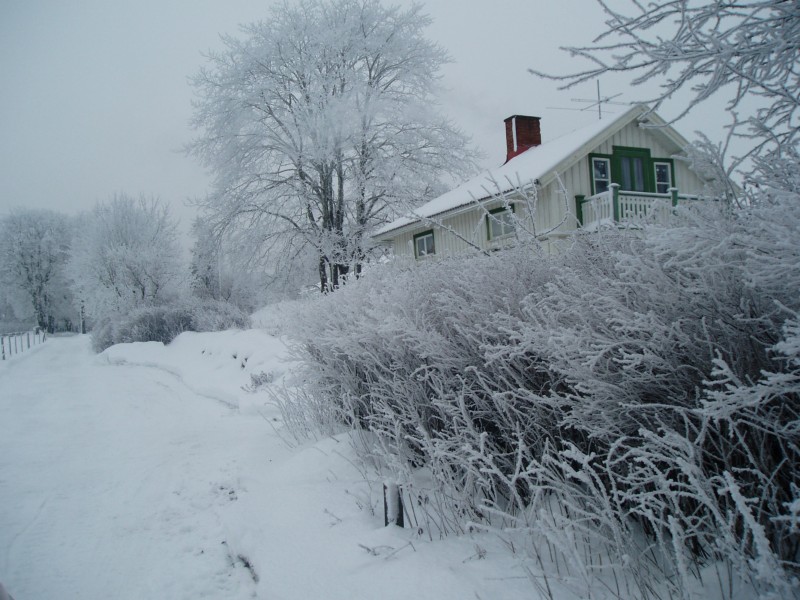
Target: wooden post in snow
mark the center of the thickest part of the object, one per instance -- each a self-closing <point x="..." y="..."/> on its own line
<point x="392" y="505"/>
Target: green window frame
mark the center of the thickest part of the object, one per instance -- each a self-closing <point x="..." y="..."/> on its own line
<point x="631" y="169"/>
<point x="424" y="244"/>
<point x="500" y="222"/>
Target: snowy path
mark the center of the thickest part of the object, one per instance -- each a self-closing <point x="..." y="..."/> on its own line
<point x="116" y="475"/>
<point x="120" y="481"/>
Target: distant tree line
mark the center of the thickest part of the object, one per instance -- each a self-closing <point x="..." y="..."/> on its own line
<point x="68" y="273"/>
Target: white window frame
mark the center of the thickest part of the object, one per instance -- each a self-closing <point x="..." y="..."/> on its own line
<point x="425" y="235"/>
<point x="608" y="170"/>
<point x="658" y="183"/>
<point x="502" y="218"/>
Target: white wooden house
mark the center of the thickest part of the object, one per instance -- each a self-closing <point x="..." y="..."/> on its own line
<point x="611" y="171"/>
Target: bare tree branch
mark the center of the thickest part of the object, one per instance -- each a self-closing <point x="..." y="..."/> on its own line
<point x="706" y="46"/>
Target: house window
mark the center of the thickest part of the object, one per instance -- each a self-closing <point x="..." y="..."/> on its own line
<point x="631" y="173"/>
<point x="423" y="244"/>
<point x="500" y="222"/>
<point x="663" y="172"/>
<point x="601" y="174"/>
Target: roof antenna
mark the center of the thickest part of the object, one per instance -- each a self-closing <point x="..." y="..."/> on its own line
<point x="592" y="103"/>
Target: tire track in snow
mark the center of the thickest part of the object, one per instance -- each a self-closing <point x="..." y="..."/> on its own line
<point x="230" y="402"/>
<point x="22" y="532"/>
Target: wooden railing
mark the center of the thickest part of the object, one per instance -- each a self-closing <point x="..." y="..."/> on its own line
<point x="12" y="344"/>
<point x="596" y="210"/>
<point x="618" y="206"/>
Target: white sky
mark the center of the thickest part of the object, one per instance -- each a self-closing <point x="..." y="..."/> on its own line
<point x="94" y="97"/>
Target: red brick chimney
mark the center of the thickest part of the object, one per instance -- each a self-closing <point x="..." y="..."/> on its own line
<point x="522" y="132"/>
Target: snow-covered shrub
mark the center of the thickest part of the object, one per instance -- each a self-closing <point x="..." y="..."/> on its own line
<point x="640" y="391"/>
<point x="165" y="323"/>
<point x="259" y="380"/>
<point x="103" y="335"/>
<point x="403" y="355"/>
<point x="218" y="315"/>
<point x="153" y="324"/>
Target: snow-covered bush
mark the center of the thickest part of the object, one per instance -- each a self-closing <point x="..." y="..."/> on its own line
<point x="153" y="324"/>
<point x="218" y="315"/>
<point x="639" y="391"/>
<point x="165" y="323"/>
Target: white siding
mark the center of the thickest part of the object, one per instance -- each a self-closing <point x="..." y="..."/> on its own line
<point x="460" y="233"/>
<point x="638" y="137"/>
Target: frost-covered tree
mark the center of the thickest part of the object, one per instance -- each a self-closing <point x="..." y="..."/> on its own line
<point x="319" y="124"/>
<point x="748" y="49"/>
<point x="126" y="257"/>
<point x="218" y="272"/>
<point x="34" y="245"/>
<point x="205" y="261"/>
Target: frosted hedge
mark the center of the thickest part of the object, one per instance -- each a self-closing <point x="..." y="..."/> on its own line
<point x="165" y="322"/>
<point x="640" y="389"/>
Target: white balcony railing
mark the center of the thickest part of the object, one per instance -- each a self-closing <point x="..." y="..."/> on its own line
<point x="619" y="206"/>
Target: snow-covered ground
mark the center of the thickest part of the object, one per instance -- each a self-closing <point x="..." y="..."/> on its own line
<point x="150" y="472"/>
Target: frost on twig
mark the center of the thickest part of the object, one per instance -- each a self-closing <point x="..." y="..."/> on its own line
<point x="747" y="49"/>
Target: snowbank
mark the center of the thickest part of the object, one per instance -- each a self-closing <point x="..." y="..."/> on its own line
<point x="219" y="365"/>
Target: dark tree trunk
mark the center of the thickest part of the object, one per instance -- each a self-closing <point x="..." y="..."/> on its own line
<point x="41" y="311"/>
<point x="323" y="274"/>
<point x="334" y="276"/>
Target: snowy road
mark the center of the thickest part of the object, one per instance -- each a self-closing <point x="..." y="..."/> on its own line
<point x="129" y="482"/>
<point x="115" y="476"/>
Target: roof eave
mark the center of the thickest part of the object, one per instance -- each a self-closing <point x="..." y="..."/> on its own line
<point x="450" y="212"/>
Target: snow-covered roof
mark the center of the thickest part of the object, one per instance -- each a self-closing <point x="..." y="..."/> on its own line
<point x="540" y="162"/>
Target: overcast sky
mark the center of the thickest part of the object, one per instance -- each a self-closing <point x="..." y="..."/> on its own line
<point x="94" y="97"/>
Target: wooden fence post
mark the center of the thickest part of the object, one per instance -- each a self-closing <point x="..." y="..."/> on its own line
<point x="615" y="201"/>
<point x="3" y="346"/>
<point x="392" y="505"/>
<point x="28" y="335"/>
